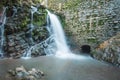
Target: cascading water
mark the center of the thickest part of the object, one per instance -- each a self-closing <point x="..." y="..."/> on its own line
<point x="2" y="22"/>
<point x="27" y="53"/>
<point x="55" y="28"/>
<point x="61" y="48"/>
<point x="56" y="44"/>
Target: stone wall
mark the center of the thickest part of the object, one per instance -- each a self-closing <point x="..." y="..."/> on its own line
<point x="90" y="22"/>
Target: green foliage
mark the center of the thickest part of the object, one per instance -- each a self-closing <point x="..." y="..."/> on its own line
<point x="101" y="22"/>
<point x="94" y="24"/>
<point x="40" y="19"/>
<point x="92" y="40"/>
<point x="62" y="19"/>
<point x="71" y="4"/>
<point x="24" y="22"/>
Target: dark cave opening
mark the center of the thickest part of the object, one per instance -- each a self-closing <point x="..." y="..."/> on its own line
<point x="85" y="48"/>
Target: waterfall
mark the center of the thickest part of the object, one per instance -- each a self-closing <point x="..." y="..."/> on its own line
<point x="56" y="43"/>
<point x="55" y="28"/>
<point x="61" y="48"/>
<point x="2" y="22"/>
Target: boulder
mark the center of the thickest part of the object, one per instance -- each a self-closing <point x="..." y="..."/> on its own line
<point x="20" y="73"/>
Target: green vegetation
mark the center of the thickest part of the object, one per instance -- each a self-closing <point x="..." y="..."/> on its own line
<point x="92" y="40"/>
<point x="39" y="20"/>
<point x="101" y="22"/>
<point x="71" y="4"/>
<point x="23" y="16"/>
<point x="62" y="18"/>
<point x="24" y="22"/>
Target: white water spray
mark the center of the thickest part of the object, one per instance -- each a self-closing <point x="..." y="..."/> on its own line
<point x="55" y="28"/>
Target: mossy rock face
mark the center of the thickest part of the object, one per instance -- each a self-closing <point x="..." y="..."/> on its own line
<point x="109" y="50"/>
<point x="86" y="18"/>
<point x="23" y="17"/>
<point x="16" y="28"/>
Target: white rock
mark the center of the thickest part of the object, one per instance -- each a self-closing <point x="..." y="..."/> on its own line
<point x="20" y="69"/>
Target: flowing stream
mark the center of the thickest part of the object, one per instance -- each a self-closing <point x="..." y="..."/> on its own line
<point x="2" y="22"/>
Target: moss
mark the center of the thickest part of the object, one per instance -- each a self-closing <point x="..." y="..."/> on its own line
<point x="71" y="4"/>
<point x="92" y="40"/>
<point x="62" y="19"/>
<point x="94" y="24"/>
<point x="94" y="15"/>
<point x="24" y="23"/>
<point x="101" y="22"/>
<point x="87" y="25"/>
<point x="39" y="20"/>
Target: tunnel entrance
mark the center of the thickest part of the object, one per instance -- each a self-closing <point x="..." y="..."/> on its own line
<point x="85" y="48"/>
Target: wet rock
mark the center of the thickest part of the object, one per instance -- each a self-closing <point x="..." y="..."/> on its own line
<point x="12" y="72"/>
<point x="18" y="55"/>
<point x="110" y="50"/>
<point x="18" y="36"/>
<point x="20" y="69"/>
<point x="30" y="77"/>
<point x="20" y="73"/>
<point x="11" y="44"/>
